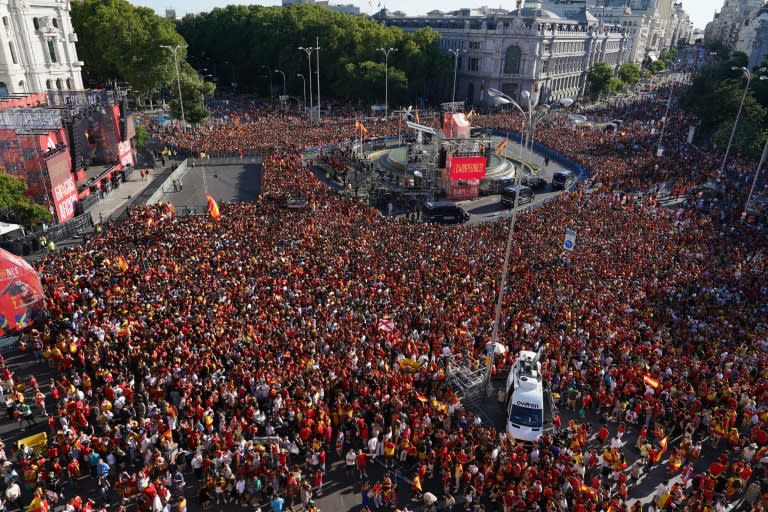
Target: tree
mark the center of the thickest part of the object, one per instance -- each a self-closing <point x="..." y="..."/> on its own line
<point x="118" y="41"/>
<point x="141" y="138"/>
<point x="630" y="73"/>
<point x="600" y="78"/>
<point x="245" y="40"/>
<point x="13" y="195"/>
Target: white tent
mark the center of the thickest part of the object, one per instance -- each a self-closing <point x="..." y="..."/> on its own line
<point x="6" y="227"/>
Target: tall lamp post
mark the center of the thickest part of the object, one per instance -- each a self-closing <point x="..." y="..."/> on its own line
<point x="659" y="147"/>
<point x="282" y="73"/>
<point x="455" y="52"/>
<point x="309" y="51"/>
<point x="175" y="51"/>
<point x="763" y="159"/>
<point x="386" y="53"/>
<point x="233" y="83"/>
<point x="304" y="89"/>
<point x="531" y="116"/>
<point x="749" y="76"/>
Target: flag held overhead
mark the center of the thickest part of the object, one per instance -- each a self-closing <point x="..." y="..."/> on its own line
<point x="213" y="208"/>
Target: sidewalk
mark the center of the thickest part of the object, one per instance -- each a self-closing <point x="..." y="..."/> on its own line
<point x="113" y="205"/>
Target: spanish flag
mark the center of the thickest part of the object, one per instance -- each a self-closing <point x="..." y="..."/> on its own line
<point x="651" y="381"/>
<point x="213" y="208"/>
<point x="502" y="145"/>
<point x="122" y="264"/>
<point x="359" y="126"/>
<point x="421" y="397"/>
<point x="417" y="116"/>
<point x="661" y="452"/>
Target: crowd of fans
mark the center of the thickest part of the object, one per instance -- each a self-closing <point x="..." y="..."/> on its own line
<point x="235" y="361"/>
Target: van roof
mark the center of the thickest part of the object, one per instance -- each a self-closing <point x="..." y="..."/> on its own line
<point x="440" y="204"/>
<point x="532" y="395"/>
<point x="515" y="188"/>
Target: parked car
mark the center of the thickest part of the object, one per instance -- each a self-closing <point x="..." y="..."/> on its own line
<point x="534" y="182"/>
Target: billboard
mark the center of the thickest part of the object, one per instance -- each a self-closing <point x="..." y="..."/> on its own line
<point x="63" y="187"/>
<point x="465" y="167"/>
<point x="95" y="138"/>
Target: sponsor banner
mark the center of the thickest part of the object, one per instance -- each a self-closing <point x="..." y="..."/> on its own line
<point x="465" y="167"/>
<point x="63" y="188"/>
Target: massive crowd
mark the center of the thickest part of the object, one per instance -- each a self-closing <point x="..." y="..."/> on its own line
<point x="246" y="355"/>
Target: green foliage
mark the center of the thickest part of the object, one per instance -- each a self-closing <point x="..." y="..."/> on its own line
<point x="630" y="73"/>
<point x="118" y="41"/>
<point x="193" y="91"/>
<point x="600" y="78"/>
<point x="13" y="194"/>
<point x="255" y="38"/>
<point x="657" y="66"/>
<point x="669" y="55"/>
<point x="141" y="138"/>
<point x="715" y="95"/>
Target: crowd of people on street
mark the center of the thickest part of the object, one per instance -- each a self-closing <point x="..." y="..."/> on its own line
<point x="236" y="361"/>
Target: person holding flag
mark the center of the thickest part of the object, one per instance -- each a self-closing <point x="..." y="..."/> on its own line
<point x="213" y="208"/>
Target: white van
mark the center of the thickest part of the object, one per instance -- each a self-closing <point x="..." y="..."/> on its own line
<point x="529" y="403"/>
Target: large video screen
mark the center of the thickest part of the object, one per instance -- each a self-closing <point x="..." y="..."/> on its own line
<point x="95" y="139"/>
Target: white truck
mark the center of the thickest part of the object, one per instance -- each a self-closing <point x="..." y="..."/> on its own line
<point x="529" y="400"/>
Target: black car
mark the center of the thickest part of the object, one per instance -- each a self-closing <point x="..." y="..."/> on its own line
<point x="563" y="180"/>
<point x="509" y="194"/>
<point x="444" y="212"/>
<point x="533" y="181"/>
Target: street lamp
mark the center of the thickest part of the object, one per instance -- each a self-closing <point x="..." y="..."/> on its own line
<point x="175" y="50"/>
<point x="455" y="53"/>
<point x="278" y="71"/>
<point x="386" y="53"/>
<point x="304" y="89"/>
<point x="760" y="164"/>
<point x="309" y="51"/>
<point x="531" y="117"/>
<point x="749" y="76"/>
<point x="232" y="83"/>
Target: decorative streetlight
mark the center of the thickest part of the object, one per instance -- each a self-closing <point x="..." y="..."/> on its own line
<point x="386" y="53"/>
<point x="455" y="53"/>
<point x="304" y="89"/>
<point x="278" y="71"/>
<point x="309" y="51"/>
<point x="531" y="116"/>
<point x="749" y="76"/>
<point x="175" y="50"/>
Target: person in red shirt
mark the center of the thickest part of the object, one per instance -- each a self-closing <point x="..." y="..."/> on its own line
<point x="361" y="460"/>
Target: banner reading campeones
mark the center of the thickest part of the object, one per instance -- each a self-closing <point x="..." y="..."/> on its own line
<point x="465" y="167"/>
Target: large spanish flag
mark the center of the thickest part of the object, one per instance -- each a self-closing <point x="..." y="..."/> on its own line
<point x="359" y="126"/>
<point x="213" y="208"/>
<point x="121" y="263"/>
<point x="501" y="146"/>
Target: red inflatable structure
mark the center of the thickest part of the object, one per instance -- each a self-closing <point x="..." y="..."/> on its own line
<point x="21" y="294"/>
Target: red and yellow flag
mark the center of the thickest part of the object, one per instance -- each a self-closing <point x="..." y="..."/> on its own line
<point x="502" y="145"/>
<point x="661" y="451"/>
<point x="359" y="126"/>
<point x="651" y="381"/>
<point x="213" y="208"/>
<point x="121" y="263"/>
<point x="421" y="397"/>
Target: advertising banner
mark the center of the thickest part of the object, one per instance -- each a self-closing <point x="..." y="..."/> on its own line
<point x="21" y="296"/>
<point x="465" y="167"/>
<point x="63" y="189"/>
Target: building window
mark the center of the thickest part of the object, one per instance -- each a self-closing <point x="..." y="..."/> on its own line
<point x="48" y="85"/>
<point x="474" y="45"/>
<point x="13" y="52"/>
<point x="36" y="23"/>
<point x="52" y="50"/>
<point x="55" y="22"/>
<point x="70" y="84"/>
<point x="5" y="23"/>
<point x="59" y="84"/>
<point x="474" y="64"/>
<point x="547" y="47"/>
<point x="512" y="60"/>
<point x="3" y="89"/>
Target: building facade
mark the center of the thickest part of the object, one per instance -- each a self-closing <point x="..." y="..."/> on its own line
<point x="727" y="24"/>
<point x="530" y="49"/>
<point x="37" y="47"/>
<point x="753" y="37"/>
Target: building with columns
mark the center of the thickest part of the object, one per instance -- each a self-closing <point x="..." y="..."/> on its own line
<point x="528" y="49"/>
<point x="37" y="47"/>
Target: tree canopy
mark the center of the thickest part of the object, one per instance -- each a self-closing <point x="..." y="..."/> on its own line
<point x="602" y="80"/>
<point x="13" y="195"/>
<point x="119" y="41"/>
<point x="242" y="43"/>
<point x="715" y="96"/>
